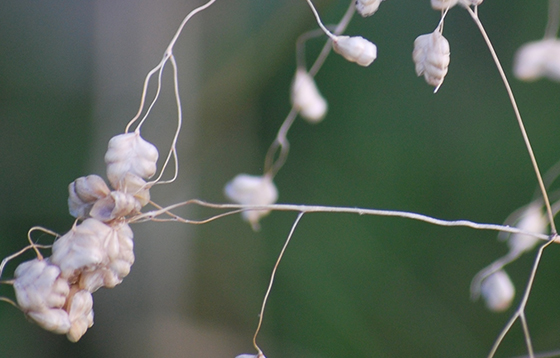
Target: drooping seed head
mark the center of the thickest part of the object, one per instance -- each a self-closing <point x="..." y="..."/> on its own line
<point x="252" y="190"/>
<point x="538" y="59"/>
<point x="80" y="313"/>
<point x="129" y="153"/>
<point x="498" y="291"/>
<point x="355" y="49"/>
<point x="367" y="7"/>
<point x="306" y="97"/>
<point x="41" y="294"/>
<point x="431" y="57"/>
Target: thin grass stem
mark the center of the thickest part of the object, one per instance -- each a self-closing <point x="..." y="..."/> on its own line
<point x="474" y="15"/>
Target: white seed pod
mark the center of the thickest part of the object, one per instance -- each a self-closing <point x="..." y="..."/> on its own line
<point x="82" y="248"/>
<point x="306" y="97"/>
<point x="531" y="220"/>
<point x="80" y="313"/>
<point x="41" y="294"/>
<point x="129" y="153"/>
<point x="114" y="206"/>
<point x="367" y="7"/>
<point x="538" y="59"/>
<point x="355" y="49"/>
<point x="431" y="57"/>
<point x="498" y="291"/>
<point x="83" y="193"/>
<point x="443" y="4"/>
<point x="120" y="257"/>
<point x="252" y="190"/>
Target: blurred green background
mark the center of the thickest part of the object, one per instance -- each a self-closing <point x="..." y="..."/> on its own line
<point x="349" y="286"/>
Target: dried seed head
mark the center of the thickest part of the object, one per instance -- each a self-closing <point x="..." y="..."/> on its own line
<point x="80" y="313"/>
<point x="41" y="294"/>
<point x="129" y="153"/>
<point x="133" y="184"/>
<point x="53" y="320"/>
<point x="538" y="59"/>
<point x="306" y="97"/>
<point x="120" y="257"/>
<point x="114" y="206"/>
<point x="83" y="193"/>
<point x="431" y="57"/>
<point x="355" y="49"/>
<point x="95" y="254"/>
<point x="252" y="190"/>
<point x="498" y="291"/>
<point x="82" y="248"/>
<point x="367" y="7"/>
<point x="38" y="286"/>
<point x="531" y="220"/>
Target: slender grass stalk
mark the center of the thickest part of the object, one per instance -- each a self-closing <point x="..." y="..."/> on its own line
<point x="474" y="15"/>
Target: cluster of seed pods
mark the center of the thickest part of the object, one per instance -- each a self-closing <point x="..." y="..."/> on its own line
<point x="56" y="291"/>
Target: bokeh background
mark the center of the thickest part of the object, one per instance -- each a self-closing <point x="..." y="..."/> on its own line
<point x="71" y="74"/>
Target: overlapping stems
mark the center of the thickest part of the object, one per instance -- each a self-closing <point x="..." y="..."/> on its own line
<point x="278" y="153"/>
<point x="47" y="289"/>
<point x="167" y="56"/>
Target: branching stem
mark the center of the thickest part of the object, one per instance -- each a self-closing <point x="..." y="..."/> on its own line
<point x="334" y="209"/>
<point x="476" y="19"/>
<point x="271" y="166"/>
<point x="521" y="308"/>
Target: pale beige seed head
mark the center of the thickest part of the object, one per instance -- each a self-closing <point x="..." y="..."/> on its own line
<point x="355" y="49"/>
<point x="367" y="7"/>
<point x="54" y="320"/>
<point x="306" y="97"/>
<point x="431" y="57"/>
<point x="82" y="248"/>
<point x="498" y="291"/>
<point x="38" y="285"/>
<point x="80" y="313"/>
<point x="129" y="153"/>
<point x="133" y="184"/>
<point x="119" y="259"/>
<point x="252" y="190"/>
<point x="531" y="220"/>
<point x="83" y="193"/>
<point x="538" y="59"/>
<point x="116" y="205"/>
<point x="41" y="294"/>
